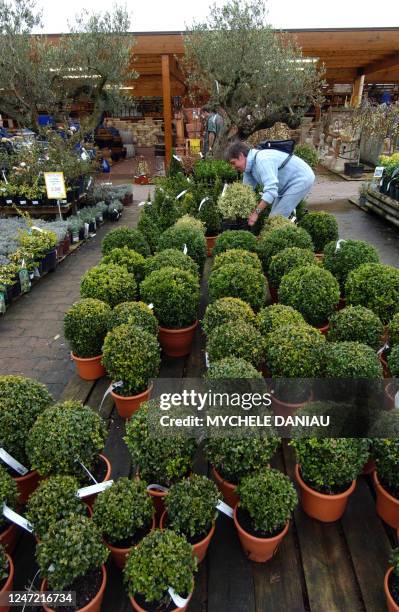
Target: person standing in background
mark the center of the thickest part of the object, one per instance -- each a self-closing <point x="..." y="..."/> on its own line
<point x="213" y="125"/>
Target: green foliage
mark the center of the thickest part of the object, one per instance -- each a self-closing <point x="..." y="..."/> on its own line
<point x="132" y="355"/>
<point x="210" y="170"/>
<point x="329" y="465"/>
<point x="85" y="327"/>
<point x="8" y="493"/>
<point x="322" y="227"/>
<point x="176" y="237"/>
<point x="134" y="262"/>
<point x="393" y="362"/>
<point x="375" y="286"/>
<point x="279" y="239"/>
<point x="157" y="463"/>
<point x="134" y="313"/>
<point x="237" y="256"/>
<point x="393" y="330"/>
<point x="171" y="258"/>
<point x="356" y="324"/>
<point x="4" y="569"/>
<point x="240" y="281"/>
<point x="147" y="225"/>
<point x="175" y="295"/>
<point x="350" y="255"/>
<point x="274" y="222"/>
<point x="238" y="339"/>
<point x="232" y="367"/>
<point x="72" y="547"/>
<point x="109" y="283"/>
<point x="234" y="239"/>
<point x="227" y="310"/>
<point x="287" y="260"/>
<point x="308" y="154"/>
<point x="237" y="202"/>
<point x="386" y="454"/>
<point x="54" y="499"/>
<point x="125" y="236"/>
<point x="162" y="560"/>
<point x="191" y="506"/>
<point x="122" y="509"/>
<point x="394" y="561"/>
<point x="21" y="401"/>
<point x="210" y="215"/>
<point x="165" y="209"/>
<point x="64" y="434"/>
<point x="351" y="360"/>
<point x="270" y="499"/>
<point x="295" y="351"/>
<point x="189" y="221"/>
<point x="275" y="316"/>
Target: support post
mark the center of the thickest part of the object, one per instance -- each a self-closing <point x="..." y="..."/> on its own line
<point x="167" y="108"/>
<point x="357" y="91"/>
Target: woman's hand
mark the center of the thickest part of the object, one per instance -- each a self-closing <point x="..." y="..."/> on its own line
<point x="252" y="219"/>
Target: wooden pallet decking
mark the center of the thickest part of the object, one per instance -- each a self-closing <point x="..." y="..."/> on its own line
<point x="319" y="567"/>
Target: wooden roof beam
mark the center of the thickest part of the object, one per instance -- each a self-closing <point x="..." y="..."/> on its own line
<point x="175" y="71"/>
<point x="390" y="61"/>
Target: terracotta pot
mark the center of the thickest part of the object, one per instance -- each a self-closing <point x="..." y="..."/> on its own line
<point x="127" y="406"/>
<point x="140" y="609"/>
<point x="8" y="538"/>
<point x="210" y="243"/>
<point x="26" y="485"/>
<point x="158" y="499"/>
<point x="229" y="490"/>
<point x="200" y="548"/>
<point x="119" y="555"/>
<point x="90" y="500"/>
<point x="177" y="342"/>
<point x="258" y="549"/>
<point x="391" y="604"/>
<point x="341" y="304"/>
<point x="8" y="583"/>
<point x="325" y="508"/>
<point x="369" y="467"/>
<point x="89" y="368"/>
<point x="319" y="256"/>
<point x="273" y="294"/>
<point x="94" y="605"/>
<point x="387" y="506"/>
<point x="285" y="408"/>
<point x="323" y="328"/>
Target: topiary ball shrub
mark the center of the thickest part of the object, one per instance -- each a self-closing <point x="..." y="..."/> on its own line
<point x="279" y="239"/>
<point x="227" y="310"/>
<point x="125" y="236"/>
<point x="192" y="222"/>
<point x="274" y="222"/>
<point x="162" y="560"/>
<point x="21" y="401"/>
<point x="295" y="351"/>
<point x="322" y="227"/>
<point x="269" y="498"/>
<point x="176" y="237"/>
<point x="386" y="455"/>
<point x="171" y="258"/>
<point x="308" y="153"/>
<point x="393" y="330"/>
<point x="237" y="202"/>
<point x="71" y="548"/>
<point x="8" y="495"/>
<point x="350" y="255"/>
<point x="240" y="281"/>
<point x="123" y="512"/>
<point x="356" y="324"/>
<point x="375" y="286"/>
<point x="210" y="215"/>
<point x="393" y="362"/>
<point x="237" y="257"/>
<point x="232" y="367"/>
<point x="54" y="499"/>
<point x="63" y="435"/>
<point x="134" y="313"/>
<point x="234" y="239"/>
<point x="133" y="261"/>
<point x="175" y="295"/>
<point x="351" y="360"/>
<point x="209" y="170"/>
<point x="109" y="283"/>
<point x="277" y="315"/>
<point x="287" y="260"/>
<point x="237" y="339"/>
<point x="133" y="356"/>
<point x="85" y="327"/>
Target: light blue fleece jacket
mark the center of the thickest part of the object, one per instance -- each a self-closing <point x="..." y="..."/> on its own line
<point x="295" y="177"/>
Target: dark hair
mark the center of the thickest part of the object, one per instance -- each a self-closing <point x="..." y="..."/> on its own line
<point x="236" y="148"/>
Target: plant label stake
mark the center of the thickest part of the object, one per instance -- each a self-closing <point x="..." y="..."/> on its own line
<point x="185" y="249"/>
<point x="151" y="306"/>
<point x="207" y="360"/>
<point x="92" y="489"/>
<point x="177" y="158"/>
<point x="177" y="600"/>
<point x="157" y="487"/>
<point x="397" y="400"/>
<point x="181" y="194"/>
<point x="293" y="219"/>
<point x="86" y="230"/>
<point x="17" y="519"/>
<point x="338" y="245"/>
<point x="382" y="349"/>
<point x="90" y="475"/>
<point x="38" y="229"/>
<point x="13" y="463"/>
<point x="24" y="278"/>
<point x="111" y="388"/>
<point x="224" y="190"/>
<point x="202" y="202"/>
<point x="2" y="303"/>
<point x="225" y="508"/>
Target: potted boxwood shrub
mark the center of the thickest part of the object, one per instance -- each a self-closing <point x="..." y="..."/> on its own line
<point x="124" y="514"/>
<point x="238" y="339"/>
<point x="6" y="573"/>
<point x="85" y="327"/>
<point x="227" y="310"/>
<point x="71" y="557"/>
<point x="21" y="401"/>
<point x="234" y="239"/>
<point x="313" y="291"/>
<point x="232" y="367"/>
<point x="393" y="330"/>
<point x="375" y="286"/>
<point x="236" y="204"/>
<point x="109" y="283"/>
<point x="283" y="262"/>
<point x="237" y="256"/>
<point x="134" y="313"/>
<point x="131" y="355"/>
<point x="322" y="227"/>
<point x="326" y="472"/>
<point x="274" y="222"/>
<point x="391" y="582"/>
<point x="171" y="258"/>
<point x="240" y="281"/>
<point x="234" y="458"/>
<point x="134" y="262"/>
<point x="190" y="511"/>
<point x="351" y="360"/>
<point x="386" y="478"/>
<point x="277" y="315"/>
<point x="356" y="324"/>
<point x="350" y="255"/>
<point x="125" y="236"/>
<point x="176" y="237"/>
<point x="279" y="239"/>
<point x="8" y="496"/>
<point x="189" y="221"/>
<point x="175" y="295"/>
<point x="162" y="560"/>
<point x="148" y="226"/>
<point x="210" y="215"/>
<point x="267" y="501"/>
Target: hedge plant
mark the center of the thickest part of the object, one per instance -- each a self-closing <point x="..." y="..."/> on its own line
<point x="277" y="315"/>
<point x="308" y="153"/>
<point x="176" y="237"/>
<point x="295" y="351"/>
<point x="356" y="324"/>
<point x="191" y="222"/>
<point x="240" y="281"/>
<point x="322" y="227"/>
<point x="109" y="283"/>
<point x="133" y="356"/>
<point x="8" y="495"/>
<point x="232" y="367"/>
<point x="279" y="239"/>
<point x="134" y="313"/>
<point x="171" y="258"/>
<point x="227" y="310"/>
<point x="350" y="255"/>
<point x="238" y="339"/>
<point x="85" y="327"/>
<point x="393" y="361"/>
<point x="125" y="236"/>
<point x="393" y="330"/>
<point x="237" y="202"/>
<point x="375" y="286"/>
<point x="234" y="239"/>
<point x="133" y="261"/>
<point x="237" y="257"/>
<point x="54" y="499"/>
<point x="329" y="465"/>
<point x="147" y="225"/>
<point x="210" y="215"/>
<point x="122" y="510"/>
<point x="274" y="222"/>
<point x="71" y="548"/>
<point x="21" y="401"/>
<point x="62" y="435"/>
<point x="351" y="360"/>
<point x="287" y="260"/>
<point x="212" y="169"/>
<point x="270" y="498"/>
<point x="4" y="568"/>
<point x="385" y="452"/>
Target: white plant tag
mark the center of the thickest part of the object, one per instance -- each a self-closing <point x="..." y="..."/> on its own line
<point x="92" y="489"/>
<point x="382" y="349"/>
<point x="2" y="303"/>
<point x="75" y="237"/>
<point x="86" y="230"/>
<point x="379" y="171"/>
<point x="202" y="202"/>
<point x="17" y="519"/>
<point x="222" y="507"/>
<point x="181" y="194"/>
<point x="207" y="360"/>
<point x="141" y="204"/>
<point x="36" y="273"/>
<point x="201" y="156"/>
<point x="111" y="388"/>
<point x="185" y="249"/>
<point x="397" y="400"/>
<point x="8" y="201"/>
<point x="224" y="190"/>
<point x="177" y="600"/>
<point x="38" y="229"/>
<point x="13" y="463"/>
<point x="177" y="158"/>
<point x="157" y="487"/>
<point x="151" y="306"/>
<point x="338" y="245"/>
<point x="293" y="219"/>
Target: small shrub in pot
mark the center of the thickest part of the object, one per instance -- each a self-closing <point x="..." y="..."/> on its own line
<point x="210" y="215"/>
<point x="308" y="153"/>
<point x="350" y="255"/>
<point x="134" y="313"/>
<point x="240" y="281"/>
<point x="134" y="262"/>
<point x="227" y="310"/>
<point x="232" y="367"/>
<point x="351" y="360"/>
<point x="171" y="258"/>
<point x="392" y="579"/>
<point x="8" y="495"/>
<point x="238" y="339"/>
<point x="375" y="286"/>
<point x="85" y="327"/>
<point x="274" y="222"/>
<point x="322" y="227"/>
<point x="176" y="237"/>
<point x="234" y="239"/>
<point x="393" y="330"/>
<point x="109" y="283"/>
<point x="385" y="452"/>
<point x="125" y="236"/>
<point x="356" y="324"/>
<point x="393" y="362"/>
<point x="287" y="260"/>
<point x="279" y="239"/>
<point x="277" y="315"/>
<point x="237" y="202"/>
<point x="295" y="351"/>
<point x="191" y="222"/>
<point x="237" y="257"/>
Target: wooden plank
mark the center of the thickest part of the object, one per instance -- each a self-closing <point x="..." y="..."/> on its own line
<point x="77" y="389"/>
<point x="115" y="448"/>
<point x="115" y="596"/>
<point x="96" y="398"/>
